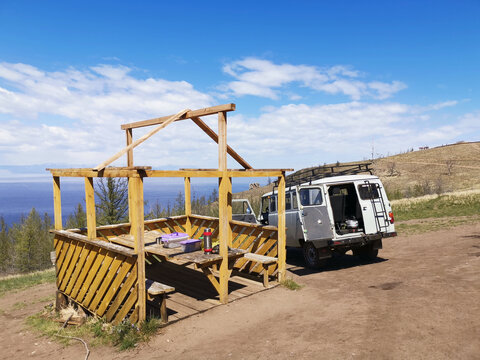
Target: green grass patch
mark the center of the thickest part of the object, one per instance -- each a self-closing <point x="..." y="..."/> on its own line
<point x="19" y="305"/>
<point x="95" y="331"/>
<point x="426" y="225"/>
<point x="437" y="206"/>
<point x="45" y="299"/>
<point x="20" y="282"/>
<point x="290" y="284"/>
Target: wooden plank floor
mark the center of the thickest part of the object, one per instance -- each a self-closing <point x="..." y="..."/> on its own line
<point x="193" y="291"/>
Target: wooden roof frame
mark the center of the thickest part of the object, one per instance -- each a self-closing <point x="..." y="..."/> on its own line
<point x="136" y="174"/>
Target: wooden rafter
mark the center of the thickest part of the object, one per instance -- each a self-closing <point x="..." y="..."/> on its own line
<point x="164" y="124"/>
<point x="188" y="115"/>
<point x="214" y="136"/>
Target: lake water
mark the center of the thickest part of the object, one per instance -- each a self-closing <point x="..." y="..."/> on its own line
<point x="17" y="199"/>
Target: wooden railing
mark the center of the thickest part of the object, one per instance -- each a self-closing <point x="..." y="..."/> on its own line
<point x="257" y="239"/>
<point x="254" y="238"/>
<point x="100" y="276"/>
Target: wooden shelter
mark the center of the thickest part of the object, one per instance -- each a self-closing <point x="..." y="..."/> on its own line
<point x="103" y="268"/>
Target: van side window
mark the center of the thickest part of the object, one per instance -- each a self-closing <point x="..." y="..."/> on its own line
<point x="288" y="201"/>
<point x="294" y="200"/>
<point x="265" y="204"/>
<point x="368" y="191"/>
<point x="311" y="196"/>
<point x="273" y="203"/>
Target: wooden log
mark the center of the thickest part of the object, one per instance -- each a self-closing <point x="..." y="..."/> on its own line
<point x="61" y="301"/>
<point x="282" y="250"/>
<point x="90" y="209"/>
<point x="188" y="206"/>
<point x="223" y="224"/>
<point x="188" y="115"/>
<point x="213" y="135"/>
<point x="138" y="233"/>
<point x="129" y="136"/>
<point x="144" y="171"/>
<point x="104" y="164"/>
<point x="82" y="172"/>
<point x="57" y="203"/>
<point x="130" y="201"/>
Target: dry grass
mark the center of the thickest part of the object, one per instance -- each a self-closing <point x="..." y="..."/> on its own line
<point x="460" y="203"/>
<point x="433" y="171"/>
<point x="441" y="169"/>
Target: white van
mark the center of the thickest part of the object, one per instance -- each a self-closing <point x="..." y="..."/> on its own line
<point x="334" y="214"/>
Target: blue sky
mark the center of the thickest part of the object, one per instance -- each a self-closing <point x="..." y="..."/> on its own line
<point x="314" y="81"/>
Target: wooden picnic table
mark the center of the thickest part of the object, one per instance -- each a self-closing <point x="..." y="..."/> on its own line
<point x="202" y="261"/>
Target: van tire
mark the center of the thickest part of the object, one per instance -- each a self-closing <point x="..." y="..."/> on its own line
<point x="312" y="259"/>
<point x="366" y="253"/>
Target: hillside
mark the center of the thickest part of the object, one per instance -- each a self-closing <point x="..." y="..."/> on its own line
<point x="437" y="170"/>
<point x="441" y="169"/>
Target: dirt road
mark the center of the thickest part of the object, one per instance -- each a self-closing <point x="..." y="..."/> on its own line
<point x="421" y="300"/>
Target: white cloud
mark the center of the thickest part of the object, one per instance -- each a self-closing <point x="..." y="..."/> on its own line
<point x="92" y="104"/>
<point x="73" y="117"/>
<point x="263" y="78"/>
<point x="101" y="94"/>
<point x="302" y="135"/>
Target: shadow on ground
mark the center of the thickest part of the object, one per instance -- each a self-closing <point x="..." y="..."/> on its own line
<point x="296" y="262"/>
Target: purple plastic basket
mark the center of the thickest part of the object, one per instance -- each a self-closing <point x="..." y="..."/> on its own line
<point x="172" y="240"/>
<point x="191" y="245"/>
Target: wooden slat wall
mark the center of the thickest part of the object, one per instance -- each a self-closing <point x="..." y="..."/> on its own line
<point x="165" y="225"/>
<point x="102" y="281"/>
<point x="261" y="240"/>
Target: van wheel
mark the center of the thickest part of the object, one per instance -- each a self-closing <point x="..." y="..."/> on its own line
<point x="310" y="253"/>
<point x="366" y="253"/>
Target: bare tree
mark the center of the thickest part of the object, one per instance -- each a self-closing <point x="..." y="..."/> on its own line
<point x="449" y="164"/>
<point x="392" y="168"/>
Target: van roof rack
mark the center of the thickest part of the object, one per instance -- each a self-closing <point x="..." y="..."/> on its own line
<point x="324" y="171"/>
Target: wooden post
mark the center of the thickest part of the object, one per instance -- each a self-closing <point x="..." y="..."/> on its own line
<point x="188" y="206"/>
<point x="90" y="208"/>
<point x="282" y="250"/>
<point x="223" y="225"/>
<point x="57" y="203"/>
<point x="229" y="210"/>
<point x="131" y="189"/>
<point x="138" y="234"/>
<point x="129" y="137"/>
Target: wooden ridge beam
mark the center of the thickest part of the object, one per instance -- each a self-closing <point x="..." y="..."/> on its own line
<point x="214" y="136"/>
<point x="126" y="149"/>
<point x="191" y="113"/>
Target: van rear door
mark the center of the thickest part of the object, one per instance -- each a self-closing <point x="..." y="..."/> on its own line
<point x="313" y="209"/>
<point x="371" y="201"/>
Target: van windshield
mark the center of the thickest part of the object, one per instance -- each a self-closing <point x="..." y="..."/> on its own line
<point x="312" y="196"/>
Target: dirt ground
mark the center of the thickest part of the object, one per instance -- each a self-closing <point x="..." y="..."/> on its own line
<point x="420" y="300"/>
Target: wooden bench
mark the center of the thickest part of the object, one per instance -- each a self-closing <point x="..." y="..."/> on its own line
<point x="266" y="261"/>
<point x="157" y="294"/>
